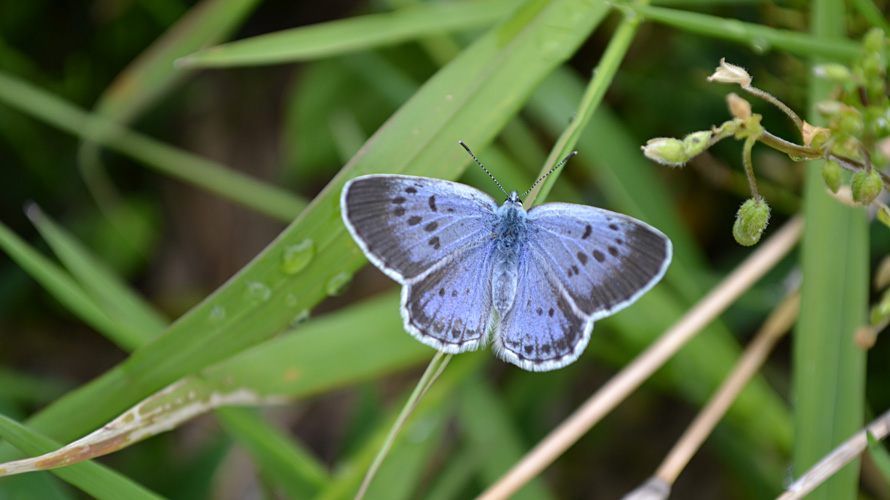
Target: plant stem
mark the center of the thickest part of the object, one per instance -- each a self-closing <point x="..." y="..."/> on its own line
<point x="432" y="372"/>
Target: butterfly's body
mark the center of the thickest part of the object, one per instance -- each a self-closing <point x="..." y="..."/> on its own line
<point x="510" y="237"/>
<point x="472" y="270"/>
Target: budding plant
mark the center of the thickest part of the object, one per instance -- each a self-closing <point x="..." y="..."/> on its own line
<point x="855" y="138"/>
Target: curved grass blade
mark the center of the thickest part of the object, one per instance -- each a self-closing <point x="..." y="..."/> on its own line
<point x="97" y="480"/>
<point x="118" y="300"/>
<point x="344" y="36"/>
<point x="172" y="161"/>
<point x="66" y="290"/>
<point x="760" y="38"/>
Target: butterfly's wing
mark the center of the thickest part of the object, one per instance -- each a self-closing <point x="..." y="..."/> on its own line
<point x="449" y="307"/>
<point x="582" y="263"/>
<point x="406" y="225"/>
<point x="605" y="260"/>
<point x="543" y="330"/>
<point x="433" y="237"/>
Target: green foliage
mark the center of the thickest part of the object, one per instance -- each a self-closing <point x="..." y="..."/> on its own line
<point x="130" y="212"/>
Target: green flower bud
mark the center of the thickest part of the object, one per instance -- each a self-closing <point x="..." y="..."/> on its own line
<point x="874" y="41"/>
<point x="850" y="122"/>
<point x="667" y="151"/>
<point x="696" y="142"/>
<point x="837" y="73"/>
<point x="866" y="186"/>
<point x="750" y="222"/>
<point x="831" y="174"/>
<point x="829" y="109"/>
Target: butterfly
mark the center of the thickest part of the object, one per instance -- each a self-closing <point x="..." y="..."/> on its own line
<point x="473" y="271"/>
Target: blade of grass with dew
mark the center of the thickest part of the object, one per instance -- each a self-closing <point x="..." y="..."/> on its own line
<point x="472" y="98"/>
<point x="289" y="367"/>
<point x="760" y="38"/>
<point x="281" y="459"/>
<point x="97" y="480"/>
<point x="120" y="302"/>
<point x="488" y="429"/>
<point x="67" y="291"/>
<point x="829" y="370"/>
<point x="116" y="299"/>
<point x="360" y="33"/>
<point x="177" y="163"/>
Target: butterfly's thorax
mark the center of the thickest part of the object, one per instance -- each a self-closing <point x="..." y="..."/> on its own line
<point x="510" y="234"/>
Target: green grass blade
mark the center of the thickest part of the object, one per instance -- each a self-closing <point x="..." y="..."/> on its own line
<point x="351" y="35"/>
<point x="286" y="462"/>
<point x="492" y="435"/>
<point x="760" y="38"/>
<point x="63" y="287"/>
<point x="97" y="480"/>
<point x="153" y="73"/>
<point x="118" y="301"/>
<point x="879" y="455"/>
<point x="177" y="163"/>
<point x="472" y="97"/>
<point x="150" y="76"/>
<point x="829" y="369"/>
<point x="590" y="101"/>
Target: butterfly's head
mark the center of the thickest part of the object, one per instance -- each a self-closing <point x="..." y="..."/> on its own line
<point x="513" y="199"/>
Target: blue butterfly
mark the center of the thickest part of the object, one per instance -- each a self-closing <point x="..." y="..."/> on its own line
<point x="533" y="281"/>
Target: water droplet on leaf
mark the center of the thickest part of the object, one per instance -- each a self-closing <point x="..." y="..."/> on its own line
<point x="296" y="257"/>
<point x="258" y="291"/>
<point x="338" y="283"/>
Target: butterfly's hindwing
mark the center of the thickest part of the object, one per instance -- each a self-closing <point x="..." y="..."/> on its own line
<point x="407" y="224"/>
<point x="543" y="330"/>
<point x="605" y="260"/>
<point x="449" y="308"/>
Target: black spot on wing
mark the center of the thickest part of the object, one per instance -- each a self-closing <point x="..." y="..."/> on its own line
<point x="398" y="200"/>
<point x="582" y="258"/>
<point x="598" y="256"/>
<point x="431" y="227"/>
<point x="587" y="232"/>
<point x="414" y="220"/>
<point x="433" y="203"/>
<point x="434" y="242"/>
<point x="410" y="190"/>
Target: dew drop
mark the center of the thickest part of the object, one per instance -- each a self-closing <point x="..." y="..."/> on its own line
<point x="338" y="283"/>
<point x="258" y="291"/>
<point x="290" y="300"/>
<point x="760" y="45"/>
<point x="301" y="317"/>
<point x="296" y="257"/>
<point x="217" y="314"/>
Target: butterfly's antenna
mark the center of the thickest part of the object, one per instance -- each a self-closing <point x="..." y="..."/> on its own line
<point x="483" y="168"/>
<point x="563" y="162"/>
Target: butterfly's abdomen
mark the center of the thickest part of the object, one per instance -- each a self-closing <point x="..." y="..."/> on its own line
<point x="510" y="233"/>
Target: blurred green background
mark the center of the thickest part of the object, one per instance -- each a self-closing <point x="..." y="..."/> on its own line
<point x="111" y="232"/>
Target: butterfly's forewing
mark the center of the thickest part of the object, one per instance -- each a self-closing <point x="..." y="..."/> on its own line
<point x="434" y="237"/>
<point x="543" y="330"/>
<point x="449" y="307"/>
<point x="604" y="260"/>
<point x="407" y="225"/>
